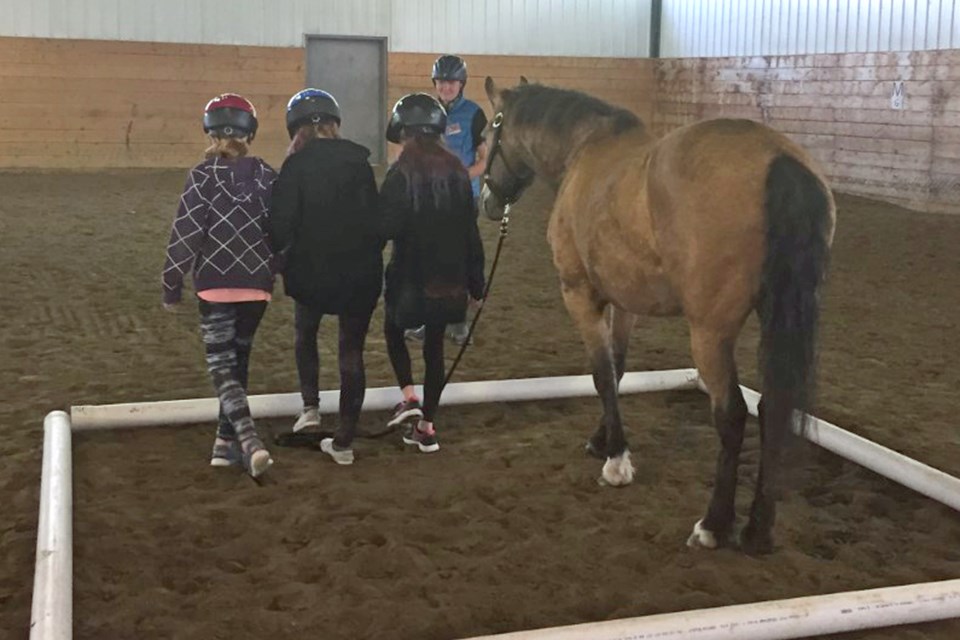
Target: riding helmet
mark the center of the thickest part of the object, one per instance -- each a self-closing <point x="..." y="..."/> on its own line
<point x="310" y="105"/>
<point x="416" y="112"/>
<point x="230" y="115"/>
<point x="449" y="67"/>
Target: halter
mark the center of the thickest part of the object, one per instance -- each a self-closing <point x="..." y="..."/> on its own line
<point x="490" y="183"/>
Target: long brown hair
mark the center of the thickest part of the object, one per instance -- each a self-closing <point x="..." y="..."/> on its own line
<point x="431" y="170"/>
<point x="227" y="147"/>
<point x="325" y="128"/>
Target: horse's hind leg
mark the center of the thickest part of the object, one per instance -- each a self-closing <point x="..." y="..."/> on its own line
<point x="713" y="355"/>
<point x="587" y="310"/>
<point x="621" y="324"/>
<point x="756" y="538"/>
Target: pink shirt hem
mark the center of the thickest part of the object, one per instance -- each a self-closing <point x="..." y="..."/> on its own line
<point x="234" y="295"/>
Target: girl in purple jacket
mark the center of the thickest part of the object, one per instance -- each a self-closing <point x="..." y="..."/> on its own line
<point x="219" y="236"/>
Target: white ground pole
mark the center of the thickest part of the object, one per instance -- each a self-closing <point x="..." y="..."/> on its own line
<point x="51" y="617"/>
<point x="922" y="478"/>
<point x="797" y="618"/>
<point x="146" y="414"/>
<point x="776" y="619"/>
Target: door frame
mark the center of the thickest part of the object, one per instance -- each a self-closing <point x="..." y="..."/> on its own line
<point x="383" y="41"/>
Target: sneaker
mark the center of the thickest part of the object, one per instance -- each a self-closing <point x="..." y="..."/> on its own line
<point x="406" y="411"/>
<point x="459" y="338"/>
<point x="309" y="417"/>
<point x="258" y="462"/>
<point x="425" y="441"/>
<point x="416" y="334"/>
<point x="340" y="456"/>
<point x="226" y="453"/>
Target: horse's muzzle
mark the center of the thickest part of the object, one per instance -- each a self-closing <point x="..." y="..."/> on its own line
<point x="490" y="204"/>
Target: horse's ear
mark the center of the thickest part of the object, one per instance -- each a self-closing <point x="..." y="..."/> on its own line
<point x="523" y="80"/>
<point x="492" y="92"/>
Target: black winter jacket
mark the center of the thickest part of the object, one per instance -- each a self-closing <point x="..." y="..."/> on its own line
<point x="325" y="225"/>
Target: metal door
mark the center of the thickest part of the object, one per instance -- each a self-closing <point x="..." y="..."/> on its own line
<point x="354" y="70"/>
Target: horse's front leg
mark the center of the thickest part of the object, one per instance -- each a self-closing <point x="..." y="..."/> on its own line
<point x="587" y="310"/>
<point x="621" y="324"/>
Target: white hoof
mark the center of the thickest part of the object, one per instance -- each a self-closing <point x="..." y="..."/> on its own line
<point x="618" y="471"/>
<point x="701" y="537"/>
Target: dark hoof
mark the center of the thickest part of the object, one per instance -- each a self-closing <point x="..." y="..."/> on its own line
<point x="756" y="543"/>
<point x="718" y="537"/>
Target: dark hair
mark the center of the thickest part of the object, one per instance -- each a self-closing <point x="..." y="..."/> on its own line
<point x="432" y="172"/>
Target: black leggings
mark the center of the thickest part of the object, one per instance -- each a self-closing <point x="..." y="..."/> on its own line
<point x="432" y="358"/>
<point x="353" y="379"/>
<point x="227" y="330"/>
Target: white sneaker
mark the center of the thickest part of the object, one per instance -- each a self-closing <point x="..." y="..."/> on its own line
<point x="340" y="456"/>
<point x="260" y="461"/>
<point x="309" y="417"/>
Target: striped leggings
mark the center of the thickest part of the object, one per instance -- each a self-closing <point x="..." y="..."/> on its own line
<point x="227" y="330"/>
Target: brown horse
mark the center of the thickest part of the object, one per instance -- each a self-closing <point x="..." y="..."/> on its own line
<point x="713" y="221"/>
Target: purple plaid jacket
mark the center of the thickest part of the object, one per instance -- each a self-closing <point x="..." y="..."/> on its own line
<point x="218" y="233"/>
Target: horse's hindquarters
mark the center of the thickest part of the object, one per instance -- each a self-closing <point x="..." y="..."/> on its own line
<point x="738" y="235"/>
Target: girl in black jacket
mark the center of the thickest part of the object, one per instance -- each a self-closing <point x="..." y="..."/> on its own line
<point x="325" y="225"/>
<point x="429" y="212"/>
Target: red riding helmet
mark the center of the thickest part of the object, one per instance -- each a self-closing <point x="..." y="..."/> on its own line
<point x="230" y="115"/>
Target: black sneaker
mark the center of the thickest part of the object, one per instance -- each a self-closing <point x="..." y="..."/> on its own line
<point x="406" y="411"/>
<point x="426" y="442"/>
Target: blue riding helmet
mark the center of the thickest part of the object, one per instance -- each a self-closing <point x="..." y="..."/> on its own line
<point x="310" y="105"/>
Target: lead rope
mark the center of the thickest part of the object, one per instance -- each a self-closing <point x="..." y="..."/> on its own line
<point x="504" y="223"/>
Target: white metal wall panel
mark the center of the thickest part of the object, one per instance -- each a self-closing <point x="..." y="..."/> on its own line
<point x="279" y="23"/>
<point x="702" y="28"/>
<point x="618" y="28"/>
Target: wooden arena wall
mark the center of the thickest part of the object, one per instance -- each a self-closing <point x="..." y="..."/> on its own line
<point x="839" y="107"/>
<point x="88" y="104"/>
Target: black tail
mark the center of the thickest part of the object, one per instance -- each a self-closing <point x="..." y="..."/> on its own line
<point x="798" y="227"/>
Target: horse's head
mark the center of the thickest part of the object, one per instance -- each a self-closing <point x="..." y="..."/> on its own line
<point x="507" y="173"/>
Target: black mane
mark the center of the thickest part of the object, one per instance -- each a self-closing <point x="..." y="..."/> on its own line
<point x="564" y="109"/>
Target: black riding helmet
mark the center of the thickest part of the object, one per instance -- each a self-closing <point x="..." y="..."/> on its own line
<point x="310" y="105"/>
<point x="416" y="112"/>
<point x="449" y="67"/>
